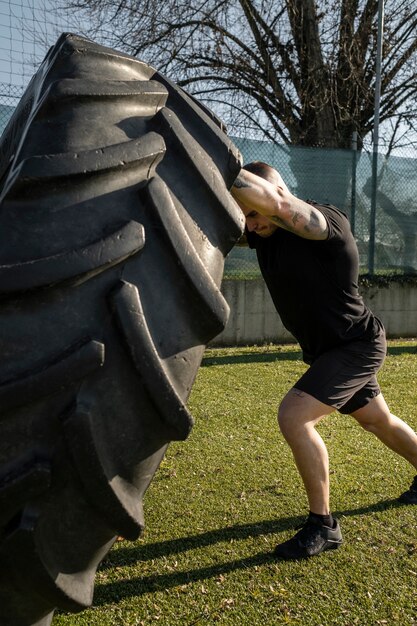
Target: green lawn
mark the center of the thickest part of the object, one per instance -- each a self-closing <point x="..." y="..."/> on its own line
<point x="223" y="499"/>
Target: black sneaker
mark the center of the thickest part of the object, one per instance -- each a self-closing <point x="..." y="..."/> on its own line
<point x="410" y="496"/>
<point x="310" y="540"/>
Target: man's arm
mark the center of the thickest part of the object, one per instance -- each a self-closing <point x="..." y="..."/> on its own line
<point x="279" y="205"/>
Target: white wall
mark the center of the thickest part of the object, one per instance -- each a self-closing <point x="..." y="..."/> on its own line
<point x="253" y="319"/>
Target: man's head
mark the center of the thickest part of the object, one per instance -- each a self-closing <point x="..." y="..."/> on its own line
<point x="256" y="222"/>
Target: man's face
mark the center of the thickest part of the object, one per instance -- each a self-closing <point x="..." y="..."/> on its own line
<point x="257" y="223"/>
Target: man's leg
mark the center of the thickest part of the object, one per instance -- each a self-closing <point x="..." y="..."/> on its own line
<point x="298" y="415"/>
<point x="393" y="432"/>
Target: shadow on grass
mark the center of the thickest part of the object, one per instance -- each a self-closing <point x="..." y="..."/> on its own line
<point x="398" y="350"/>
<point x="278" y="355"/>
<point x="175" y="546"/>
<point x="252" y="357"/>
<point x="114" y="591"/>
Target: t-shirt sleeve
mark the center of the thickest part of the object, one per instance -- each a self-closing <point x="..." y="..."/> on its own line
<point x="337" y="221"/>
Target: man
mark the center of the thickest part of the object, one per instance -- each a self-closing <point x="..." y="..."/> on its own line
<point x="310" y="263"/>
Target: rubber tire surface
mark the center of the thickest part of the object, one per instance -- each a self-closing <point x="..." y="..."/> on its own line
<point x="115" y="220"/>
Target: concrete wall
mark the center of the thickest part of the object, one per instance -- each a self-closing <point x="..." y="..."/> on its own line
<point x="253" y="319"/>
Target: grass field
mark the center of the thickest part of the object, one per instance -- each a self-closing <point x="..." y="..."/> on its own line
<point x="224" y="498"/>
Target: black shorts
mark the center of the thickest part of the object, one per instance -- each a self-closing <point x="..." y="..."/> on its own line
<point x="345" y="377"/>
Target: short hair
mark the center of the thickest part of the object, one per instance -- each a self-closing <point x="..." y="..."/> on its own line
<point x="265" y="171"/>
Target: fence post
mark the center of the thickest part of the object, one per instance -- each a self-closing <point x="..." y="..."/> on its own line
<point x="371" y="250"/>
<point x="353" y="186"/>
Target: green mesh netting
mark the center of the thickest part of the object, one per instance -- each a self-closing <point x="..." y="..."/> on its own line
<point x="344" y="178"/>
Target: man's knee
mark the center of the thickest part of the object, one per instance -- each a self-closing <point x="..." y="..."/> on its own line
<point x="285" y="418"/>
<point x="290" y="419"/>
<point x="373" y="420"/>
<point x="298" y="411"/>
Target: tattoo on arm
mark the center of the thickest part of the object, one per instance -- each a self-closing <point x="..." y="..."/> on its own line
<point x="314" y="224"/>
<point x="296" y="217"/>
<point x="241" y="183"/>
<point x="300" y="223"/>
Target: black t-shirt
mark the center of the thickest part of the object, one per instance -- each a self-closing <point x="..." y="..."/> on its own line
<point x="314" y="285"/>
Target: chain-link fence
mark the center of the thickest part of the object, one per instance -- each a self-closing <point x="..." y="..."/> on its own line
<point x="344" y="178"/>
<point x="9" y="98"/>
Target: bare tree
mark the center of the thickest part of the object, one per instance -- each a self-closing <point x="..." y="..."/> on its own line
<point x="298" y="71"/>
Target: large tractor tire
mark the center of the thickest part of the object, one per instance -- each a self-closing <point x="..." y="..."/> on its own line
<point x="115" y="220"/>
